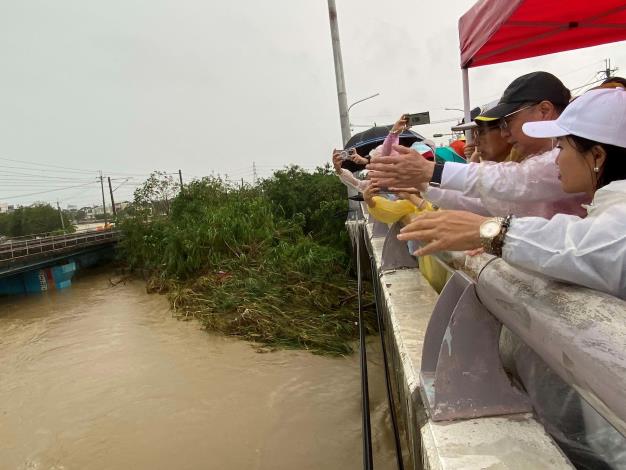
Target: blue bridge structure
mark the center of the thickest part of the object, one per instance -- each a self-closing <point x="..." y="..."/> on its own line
<point x="40" y="263"/>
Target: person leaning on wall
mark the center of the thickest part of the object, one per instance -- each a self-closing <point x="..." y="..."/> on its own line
<point x="589" y="251"/>
<point x="529" y="188"/>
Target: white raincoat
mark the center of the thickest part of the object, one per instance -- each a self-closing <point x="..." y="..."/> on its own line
<point x="351" y="181"/>
<point x="530" y="188"/>
<point x="590" y="252"/>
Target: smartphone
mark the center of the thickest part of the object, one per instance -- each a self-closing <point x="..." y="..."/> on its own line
<point x="418" y="119"/>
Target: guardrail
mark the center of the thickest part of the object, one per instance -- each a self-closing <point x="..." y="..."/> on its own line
<point x="577" y="331"/>
<point x="17" y="250"/>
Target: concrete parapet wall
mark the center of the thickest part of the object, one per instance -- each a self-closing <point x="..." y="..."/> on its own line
<point x="506" y="442"/>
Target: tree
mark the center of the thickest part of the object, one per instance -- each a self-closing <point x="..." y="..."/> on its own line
<point x="156" y="194"/>
<point x="38" y="218"/>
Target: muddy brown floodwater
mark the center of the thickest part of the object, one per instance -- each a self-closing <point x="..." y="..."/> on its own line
<point x="102" y="377"/>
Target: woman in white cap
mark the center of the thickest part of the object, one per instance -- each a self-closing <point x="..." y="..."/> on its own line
<point x="590" y="251"/>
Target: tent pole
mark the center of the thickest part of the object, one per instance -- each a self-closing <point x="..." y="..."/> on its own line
<point x="466" y="103"/>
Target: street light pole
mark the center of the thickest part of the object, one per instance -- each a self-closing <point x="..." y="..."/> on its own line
<point x="357" y="102"/>
<point x="339" y="78"/>
<point x="362" y="99"/>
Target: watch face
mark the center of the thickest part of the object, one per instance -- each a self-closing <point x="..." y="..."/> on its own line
<point x="490" y="229"/>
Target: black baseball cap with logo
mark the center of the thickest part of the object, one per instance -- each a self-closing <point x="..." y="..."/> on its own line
<point x="530" y="88"/>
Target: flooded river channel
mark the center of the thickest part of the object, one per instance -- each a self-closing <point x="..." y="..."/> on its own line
<point x="102" y="377"/>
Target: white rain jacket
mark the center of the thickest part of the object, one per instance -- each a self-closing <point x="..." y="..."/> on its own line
<point x="529" y="188"/>
<point x="590" y="252"/>
<point x="351" y="181"/>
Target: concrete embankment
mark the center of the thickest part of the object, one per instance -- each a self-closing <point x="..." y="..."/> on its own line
<point x="506" y="442"/>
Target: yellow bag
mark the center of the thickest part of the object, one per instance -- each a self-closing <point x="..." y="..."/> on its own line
<point x="389" y="212"/>
<point x="435" y="274"/>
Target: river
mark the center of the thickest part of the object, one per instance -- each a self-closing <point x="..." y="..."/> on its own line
<point x="102" y="377"/>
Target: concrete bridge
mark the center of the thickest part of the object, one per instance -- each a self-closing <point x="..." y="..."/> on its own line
<point x="23" y="254"/>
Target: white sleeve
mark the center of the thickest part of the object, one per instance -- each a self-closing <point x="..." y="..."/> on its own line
<point x="535" y="179"/>
<point x="448" y="199"/>
<point x="589" y="252"/>
<point x="348" y="179"/>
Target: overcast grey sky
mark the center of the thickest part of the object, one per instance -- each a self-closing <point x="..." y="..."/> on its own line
<point x="129" y="86"/>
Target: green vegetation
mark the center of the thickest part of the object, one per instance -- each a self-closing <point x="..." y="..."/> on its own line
<point x="267" y="263"/>
<point x="37" y="218"/>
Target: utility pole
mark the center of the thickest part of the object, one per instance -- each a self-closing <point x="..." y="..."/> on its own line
<point x="608" y="71"/>
<point x="61" y="215"/>
<point x="180" y="178"/>
<point x="339" y="78"/>
<point x="112" y="200"/>
<point x="104" y="206"/>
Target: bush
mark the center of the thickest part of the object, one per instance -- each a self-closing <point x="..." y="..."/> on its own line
<point x="317" y="200"/>
<point x="250" y="261"/>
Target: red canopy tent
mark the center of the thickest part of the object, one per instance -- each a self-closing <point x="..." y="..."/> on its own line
<point x="495" y="31"/>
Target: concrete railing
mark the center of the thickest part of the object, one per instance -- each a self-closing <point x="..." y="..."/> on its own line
<point x="578" y="332"/>
<point x="406" y="301"/>
<point x="19" y="250"/>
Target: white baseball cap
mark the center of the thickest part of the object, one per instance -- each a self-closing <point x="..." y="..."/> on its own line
<point x="598" y="115"/>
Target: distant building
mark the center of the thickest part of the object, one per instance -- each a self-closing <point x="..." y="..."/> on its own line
<point x="121" y="205"/>
<point x="89" y="212"/>
<point x="6" y="208"/>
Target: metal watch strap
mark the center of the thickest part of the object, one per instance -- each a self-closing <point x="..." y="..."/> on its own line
<point x="437" y="174"/>
<point x="498" y="241"/>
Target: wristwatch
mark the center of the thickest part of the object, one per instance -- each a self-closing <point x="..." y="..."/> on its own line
<point x="492" y="233"/>
<point x="437" y="174"/>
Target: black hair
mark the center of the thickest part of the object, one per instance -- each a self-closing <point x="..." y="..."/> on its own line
<point x="620" y="80"/>
<point x="559" y="107"/>
<point x="614" y="168"/>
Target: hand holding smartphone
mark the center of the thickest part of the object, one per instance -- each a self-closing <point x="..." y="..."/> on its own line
<point x="417" y="119"/>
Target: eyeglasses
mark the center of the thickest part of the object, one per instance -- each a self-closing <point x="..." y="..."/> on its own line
<point x="482" y="130"/>
<point x="505" y="122"/>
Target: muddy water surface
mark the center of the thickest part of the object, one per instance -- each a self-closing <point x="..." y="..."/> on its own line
<point x="102" y="377"/>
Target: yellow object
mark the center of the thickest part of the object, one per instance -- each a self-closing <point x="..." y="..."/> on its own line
<point x="435" y="274"/>
<point x="389" y="212"/>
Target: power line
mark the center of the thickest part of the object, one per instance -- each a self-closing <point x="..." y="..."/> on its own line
<point x="27" y="162"/>
<point x="47" y="170"/>
<point x="75" y="195"/>
<point x="68" y="169"/>
<point x="44" y="192"/>
<point x="39" y="175"/>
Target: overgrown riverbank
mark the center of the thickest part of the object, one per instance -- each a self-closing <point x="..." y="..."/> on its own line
<point x="267" y="263"/>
